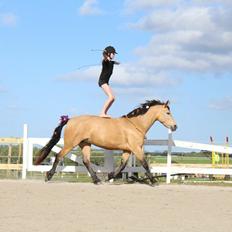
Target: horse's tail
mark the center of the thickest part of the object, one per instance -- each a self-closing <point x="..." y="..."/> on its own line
<point x="44" y="152"/>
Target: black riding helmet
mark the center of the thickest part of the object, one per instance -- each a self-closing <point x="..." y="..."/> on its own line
<point x="110" y="49"/>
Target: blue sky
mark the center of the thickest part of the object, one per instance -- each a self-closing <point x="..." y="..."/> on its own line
<point x="177" y="50"/>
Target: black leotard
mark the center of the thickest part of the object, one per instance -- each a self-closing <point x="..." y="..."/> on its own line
<point x="107" y="70"/>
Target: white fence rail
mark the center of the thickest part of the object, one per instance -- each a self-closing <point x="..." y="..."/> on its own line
<point x="29" y="143"/>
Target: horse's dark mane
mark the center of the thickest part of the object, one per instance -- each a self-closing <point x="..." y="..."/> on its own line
<point x="143" y="108"/>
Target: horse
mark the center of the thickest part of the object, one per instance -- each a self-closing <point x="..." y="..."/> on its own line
<point x="126" y="133"/>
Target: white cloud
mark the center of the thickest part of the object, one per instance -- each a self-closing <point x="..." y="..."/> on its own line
<point x="186" y="35"/>
<point x="8" y="19"/>
<point x="187" y="50"/>
<point x="131" y="6"/>
<point x="224" y="104"/>
<point x="90" y="73"/>
<point x="135" y="76"/>
<point x="125" y="75"/>
<point x="90" y="7"/>
<point x="183" y="18"/>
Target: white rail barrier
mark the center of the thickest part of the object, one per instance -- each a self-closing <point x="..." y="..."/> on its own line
<point x="29" y="143"/>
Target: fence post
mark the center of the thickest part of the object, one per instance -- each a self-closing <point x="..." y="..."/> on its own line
<point x="130" y="164"/>
<point x="169" y="157"/>
<point x="25" y="150"/>
<point x="108" y="160"/>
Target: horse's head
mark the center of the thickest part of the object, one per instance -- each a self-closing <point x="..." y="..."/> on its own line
<point x="165" y="117"/>
<point x="153" y="110"/>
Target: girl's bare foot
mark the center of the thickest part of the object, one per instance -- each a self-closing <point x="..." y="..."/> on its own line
<point x="105" y="116"/>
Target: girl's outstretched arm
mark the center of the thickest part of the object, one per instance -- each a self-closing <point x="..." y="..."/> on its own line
<point x="116" y="62"/>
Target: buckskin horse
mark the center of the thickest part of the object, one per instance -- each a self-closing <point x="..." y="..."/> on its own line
<point x="126" y="133"/>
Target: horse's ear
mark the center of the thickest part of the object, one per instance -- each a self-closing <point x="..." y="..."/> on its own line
<point x="167" y="103"/>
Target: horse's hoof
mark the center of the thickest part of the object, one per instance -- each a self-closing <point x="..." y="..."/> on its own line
<point x="48" y="176"/>
<point x="110" y="176"/>
<point x="154" y="183"/>
<point x="97" y="182"/>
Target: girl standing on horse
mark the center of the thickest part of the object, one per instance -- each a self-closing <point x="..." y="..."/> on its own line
<point x="107" y="70"/>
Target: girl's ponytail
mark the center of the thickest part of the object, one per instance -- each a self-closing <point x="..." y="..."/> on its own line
<point x="105" y="54"/>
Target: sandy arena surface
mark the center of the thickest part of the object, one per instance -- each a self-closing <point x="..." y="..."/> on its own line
<point x="73" y="207"/>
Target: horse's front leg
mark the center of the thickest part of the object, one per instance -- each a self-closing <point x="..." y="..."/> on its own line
<point x="114" y="174"/>
<point x="148" y="171"/>
<point x="138" y="151"/>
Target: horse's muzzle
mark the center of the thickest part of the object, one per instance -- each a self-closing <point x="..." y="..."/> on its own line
<point x="173" y="128"/>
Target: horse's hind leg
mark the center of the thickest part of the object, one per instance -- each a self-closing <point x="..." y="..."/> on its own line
<point x="86" y="150"/>
<point x="125" y="157"/>
<point x="59" y="156"/>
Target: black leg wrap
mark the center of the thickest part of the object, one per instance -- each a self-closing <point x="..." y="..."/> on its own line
<point x="94" y="177"/>
<point x="51" y="173"/>
<point x="111" y="175"/>
<point x="114" y="174"/>
<point x="148" y="172"/>
<point x="48" y="176"/>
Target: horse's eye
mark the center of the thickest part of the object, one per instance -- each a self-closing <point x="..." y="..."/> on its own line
<point x="168" y="113"/>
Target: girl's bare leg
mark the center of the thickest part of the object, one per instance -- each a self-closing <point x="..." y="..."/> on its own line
<point x="108" y="91"/>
